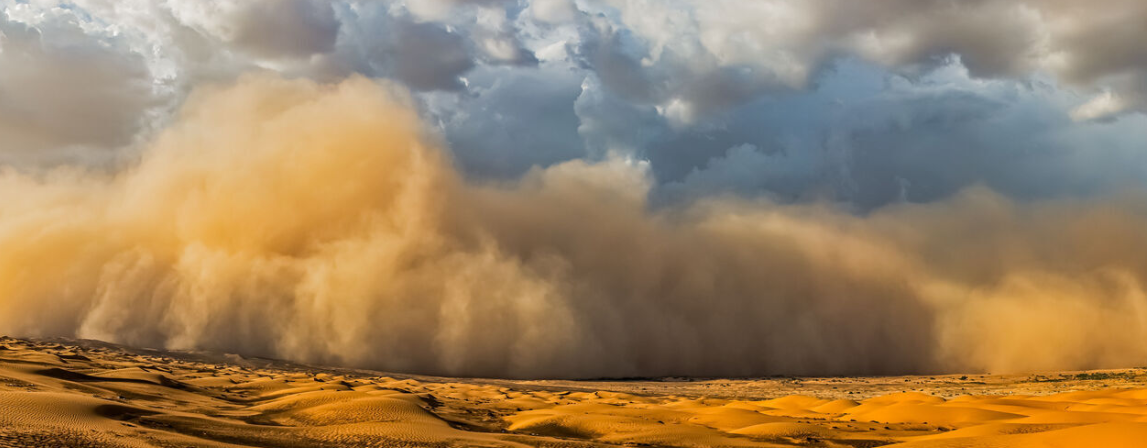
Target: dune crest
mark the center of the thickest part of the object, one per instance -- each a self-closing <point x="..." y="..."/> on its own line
<point x="123" y="397"/>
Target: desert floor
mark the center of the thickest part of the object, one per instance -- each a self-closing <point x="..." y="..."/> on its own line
<point x="66" y="393"/>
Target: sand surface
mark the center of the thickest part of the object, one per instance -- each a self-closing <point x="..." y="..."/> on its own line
<point x="91" y="394"/>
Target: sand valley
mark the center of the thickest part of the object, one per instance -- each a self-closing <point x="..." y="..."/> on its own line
<point x="90" y="394"/>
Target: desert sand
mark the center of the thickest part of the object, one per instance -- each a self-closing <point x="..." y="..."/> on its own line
<point x="90" y="394"/>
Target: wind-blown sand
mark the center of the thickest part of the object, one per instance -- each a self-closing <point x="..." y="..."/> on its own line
<point x="92" y="394"/>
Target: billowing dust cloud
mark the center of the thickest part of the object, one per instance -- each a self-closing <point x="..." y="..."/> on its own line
<point x="321" y="223"/>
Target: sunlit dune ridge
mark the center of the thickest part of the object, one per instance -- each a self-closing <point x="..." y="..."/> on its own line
<point x="96" y="395"/>
<point x="326" y="223"/>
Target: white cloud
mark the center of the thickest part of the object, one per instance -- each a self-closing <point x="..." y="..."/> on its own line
<point x="1102" y="105"/>
<point x="786" y="41"/>
<point x="554" y="11"/>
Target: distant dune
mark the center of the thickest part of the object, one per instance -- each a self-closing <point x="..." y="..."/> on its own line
<point x="90" y="394"/>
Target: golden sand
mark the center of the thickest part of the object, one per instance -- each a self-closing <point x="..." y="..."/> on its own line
<point x="89" y="394"/>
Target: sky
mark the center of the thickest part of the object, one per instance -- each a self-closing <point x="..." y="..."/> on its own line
<point x="699" y="187"/>
<point x="864" y="103"/>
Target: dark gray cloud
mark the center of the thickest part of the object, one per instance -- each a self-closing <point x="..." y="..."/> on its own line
<point x="871" y="138"/>
<point x="265" y="29"/>
<point x="514" y="120"/>
<point x="287" y="28"/>
<point x="424" y="56"/>
<point x="67" y="96"/>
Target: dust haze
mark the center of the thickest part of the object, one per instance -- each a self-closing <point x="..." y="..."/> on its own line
<point x="324" y="223"/>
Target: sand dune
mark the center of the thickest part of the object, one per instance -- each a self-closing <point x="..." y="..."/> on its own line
<point x="89" y="394"/>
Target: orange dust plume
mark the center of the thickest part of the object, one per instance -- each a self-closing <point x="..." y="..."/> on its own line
<point x="323" y="223"/>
